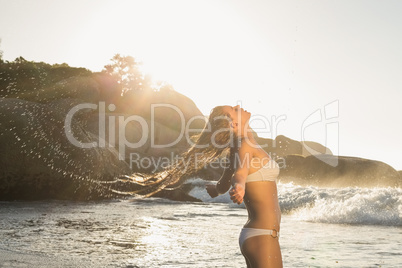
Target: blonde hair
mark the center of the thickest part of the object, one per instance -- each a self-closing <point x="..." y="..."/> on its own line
<point x="215" y="138"/>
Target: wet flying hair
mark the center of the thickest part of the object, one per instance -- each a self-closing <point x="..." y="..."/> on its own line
<point x="215" y="138"/>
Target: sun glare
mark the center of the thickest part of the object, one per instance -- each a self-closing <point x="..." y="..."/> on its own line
<point x="205" y="50"/>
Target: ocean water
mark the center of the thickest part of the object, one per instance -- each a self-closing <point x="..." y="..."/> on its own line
<point x="321" y="227"/>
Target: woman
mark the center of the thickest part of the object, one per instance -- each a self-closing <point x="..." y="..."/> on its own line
<point x="254" y="181"/>
<point x="251" y="173"/>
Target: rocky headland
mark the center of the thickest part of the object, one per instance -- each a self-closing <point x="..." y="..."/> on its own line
<point x="60" y="141"/>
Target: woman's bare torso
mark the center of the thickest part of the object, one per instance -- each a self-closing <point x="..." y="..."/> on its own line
<point x="261" y="197"/>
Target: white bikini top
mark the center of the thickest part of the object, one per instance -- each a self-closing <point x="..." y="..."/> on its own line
<point x="269" y="172"/>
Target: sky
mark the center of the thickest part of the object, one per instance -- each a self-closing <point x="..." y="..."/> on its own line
<point x="324" y="71"/>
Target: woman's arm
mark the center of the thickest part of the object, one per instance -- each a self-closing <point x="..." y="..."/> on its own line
<point x="224" y="182"/>
<point x="222" y="186"/>
<point x="239" y="179"/>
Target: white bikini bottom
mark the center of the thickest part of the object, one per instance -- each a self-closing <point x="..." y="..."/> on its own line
<point x="250" y="232"/>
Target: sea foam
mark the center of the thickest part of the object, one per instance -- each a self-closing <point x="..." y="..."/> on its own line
<point x="377" y="206"/>
<point x="350" y="205"/>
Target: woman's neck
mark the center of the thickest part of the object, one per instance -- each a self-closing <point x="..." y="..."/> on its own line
<point x="248" y="134"/>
